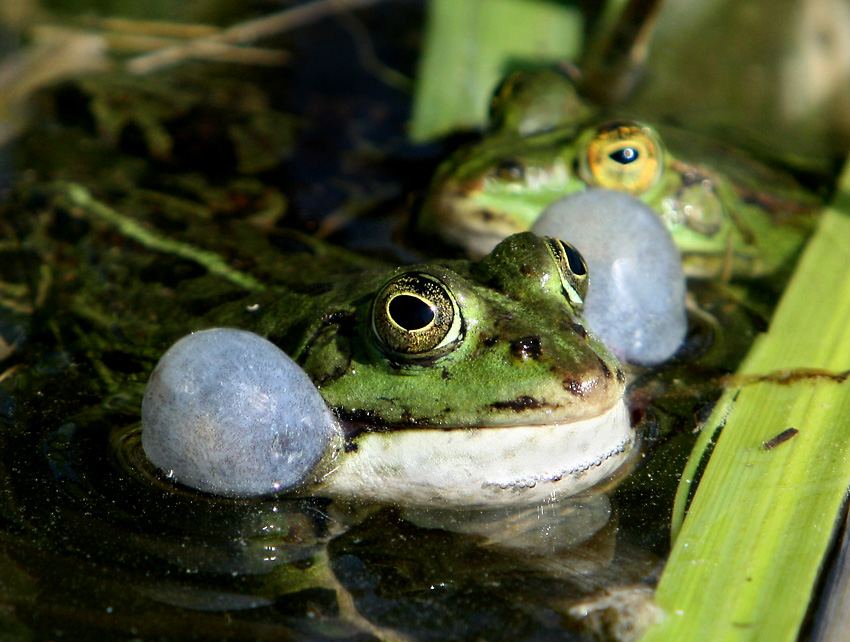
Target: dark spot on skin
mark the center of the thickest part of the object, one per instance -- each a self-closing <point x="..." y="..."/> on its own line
<point x="605" y="369"/>
<point x="357" y="416"/>
<point x="340" y="317"/>
<point x="580" y="330"/>
<point x="328" y="377"/>
<point x="519" y="404"/>
<point x="489" y="342"/>
<point x="527" y="347"/>
<point x="781" y="438"/>
<point x="487" y="215"/>
<point x="621" y="376"/>
<point x="360" y="420"/>
<point x="511" y="169"/>
<point x="574" y="387"/>
<point x="351" y="430"/>
<point x="445" y="374"/>
<point x="694" y="178"/>
<point x="350" y="447"/>
<point x="637" y="415"/>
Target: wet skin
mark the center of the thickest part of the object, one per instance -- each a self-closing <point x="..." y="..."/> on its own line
<point x="456" y="382"/>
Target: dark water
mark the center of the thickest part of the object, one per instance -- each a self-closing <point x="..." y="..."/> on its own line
<point x="96" y="544"/>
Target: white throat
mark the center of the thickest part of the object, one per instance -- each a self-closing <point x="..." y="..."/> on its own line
<point x="487" y="467"/>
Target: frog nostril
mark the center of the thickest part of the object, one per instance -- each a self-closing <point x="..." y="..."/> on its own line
<point x="580" y="330"/>
<point x="511" y="169"/>
<point x="527" y="347"/>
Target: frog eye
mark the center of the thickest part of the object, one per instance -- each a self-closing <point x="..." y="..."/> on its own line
<point x="510" y="169"/>
<point x="624" y="156"/>
<point x="416" y="315"/>
<point x="572" y="268"/>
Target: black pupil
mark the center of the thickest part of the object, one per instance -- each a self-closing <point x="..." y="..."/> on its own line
<point x="510" y="169"/>
<point x="574" y="260"/>
<point x="411" y="312"/>
<point x="624" y="156"/>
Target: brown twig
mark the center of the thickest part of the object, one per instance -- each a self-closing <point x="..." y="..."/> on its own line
<point x="135" y="43"/>
<point x="55" y="53"/>
<point x="245" y="32"/>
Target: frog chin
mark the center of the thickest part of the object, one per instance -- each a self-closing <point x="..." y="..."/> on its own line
<point x="482" y="467"/>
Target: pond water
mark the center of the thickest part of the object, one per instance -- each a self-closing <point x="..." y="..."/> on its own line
<point x="95" y="543"/>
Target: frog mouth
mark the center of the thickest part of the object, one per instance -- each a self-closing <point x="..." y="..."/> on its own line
<point x="487" y="467"/>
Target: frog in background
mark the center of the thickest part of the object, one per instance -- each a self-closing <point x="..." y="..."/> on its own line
<point x="730" y="215"/>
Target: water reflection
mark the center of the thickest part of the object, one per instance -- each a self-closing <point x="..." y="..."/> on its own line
<point x="95" y="539"/>
<point x="94" y="543"/>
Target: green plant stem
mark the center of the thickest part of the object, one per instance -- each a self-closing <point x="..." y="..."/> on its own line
<point x="216" y="264"/>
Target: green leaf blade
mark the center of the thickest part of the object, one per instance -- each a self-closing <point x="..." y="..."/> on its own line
<point x="751" y="549"/>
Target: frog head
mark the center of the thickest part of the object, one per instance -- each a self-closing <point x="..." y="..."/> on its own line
<point x="727" y="213"/>
<point x="478" y="384"/>
<point x="464" y="344"/>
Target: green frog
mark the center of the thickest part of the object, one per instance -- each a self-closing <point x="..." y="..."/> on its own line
<point x="453" y="382"/>
<point x="730" y="215"/>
